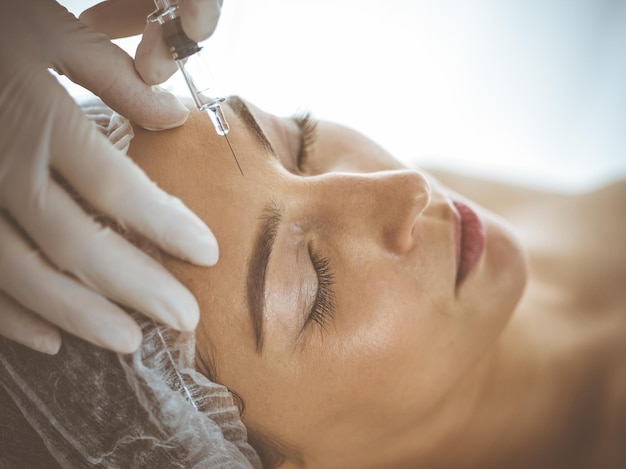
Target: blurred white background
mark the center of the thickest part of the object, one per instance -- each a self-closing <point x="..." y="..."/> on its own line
<point x="527" y="91"/>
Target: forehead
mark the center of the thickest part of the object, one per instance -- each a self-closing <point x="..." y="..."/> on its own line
<point x="192" y="162"/>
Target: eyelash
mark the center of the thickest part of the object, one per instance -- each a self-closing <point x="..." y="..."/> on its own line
<point x="324" y="305"/>
<point x="308" y="129"/>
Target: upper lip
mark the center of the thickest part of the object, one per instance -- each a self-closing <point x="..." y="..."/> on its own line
<point x="451" y="213"/>
<point x="448" y="212"/>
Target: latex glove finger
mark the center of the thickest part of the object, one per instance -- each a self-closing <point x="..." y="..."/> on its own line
<point x="122" y="18"/>
<point x="21" y="325"/>
<point x="115" y="185"/>
<point x="108" y="180"/>
<point x="118" y="18"/>
<point x="63" y="301"/>
<point x="103" y="260"/>
<point x="109" y="72"/>
<point x="153" y="59"/>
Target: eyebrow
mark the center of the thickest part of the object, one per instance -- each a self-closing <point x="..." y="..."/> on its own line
<point x="257" y="270"/>
<point x="240" y="108"/>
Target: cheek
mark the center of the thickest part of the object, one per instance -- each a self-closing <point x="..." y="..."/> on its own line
<point x="389" y="339"/>
<point x="397" y="346"/>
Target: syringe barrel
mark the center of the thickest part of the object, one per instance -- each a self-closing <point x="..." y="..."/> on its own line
<point x="179" y="44"/>
<point x="196" y="73"/>
<point x="186" y="52"/>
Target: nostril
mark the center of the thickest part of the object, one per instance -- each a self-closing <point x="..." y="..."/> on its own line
<point x="413" y="233"/>
<point x="411" y="194"/>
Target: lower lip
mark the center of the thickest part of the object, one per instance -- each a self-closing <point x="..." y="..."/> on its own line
<point x="471" y="241"/>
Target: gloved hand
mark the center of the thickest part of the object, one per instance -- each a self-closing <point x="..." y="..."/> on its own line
<point x="153" y="59"/>
<point x="59" y="268"/>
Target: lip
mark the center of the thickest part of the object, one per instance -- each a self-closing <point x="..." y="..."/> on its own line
<point x="469" y="240"/>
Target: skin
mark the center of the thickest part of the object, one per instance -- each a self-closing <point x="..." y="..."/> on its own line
<point x="411" y="368"/>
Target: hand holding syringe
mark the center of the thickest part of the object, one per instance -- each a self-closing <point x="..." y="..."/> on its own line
<point x="60" y="269"/>
<point x="188" y="57"/>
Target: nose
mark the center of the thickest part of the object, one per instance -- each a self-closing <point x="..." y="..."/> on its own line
<point x="385" y="205"/>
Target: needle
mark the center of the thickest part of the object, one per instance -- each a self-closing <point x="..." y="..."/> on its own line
<point x="231" y="150"/>
<point x="222" y="128"/>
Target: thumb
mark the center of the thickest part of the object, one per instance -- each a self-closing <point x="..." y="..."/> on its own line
<point x="153" y="59"/>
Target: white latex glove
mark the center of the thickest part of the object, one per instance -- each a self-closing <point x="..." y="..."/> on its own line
<point x="59" y="268"/>
<point x="153" y="59"/>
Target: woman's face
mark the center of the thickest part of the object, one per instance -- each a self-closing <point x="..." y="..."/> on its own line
<point x="351" y="295"/>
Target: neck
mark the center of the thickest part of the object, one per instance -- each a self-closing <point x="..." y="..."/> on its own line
<point x="510" y="407"/>
<point x="476" y="414"/>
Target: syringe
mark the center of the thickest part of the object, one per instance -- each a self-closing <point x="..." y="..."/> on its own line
<point x="186" y="54"/>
